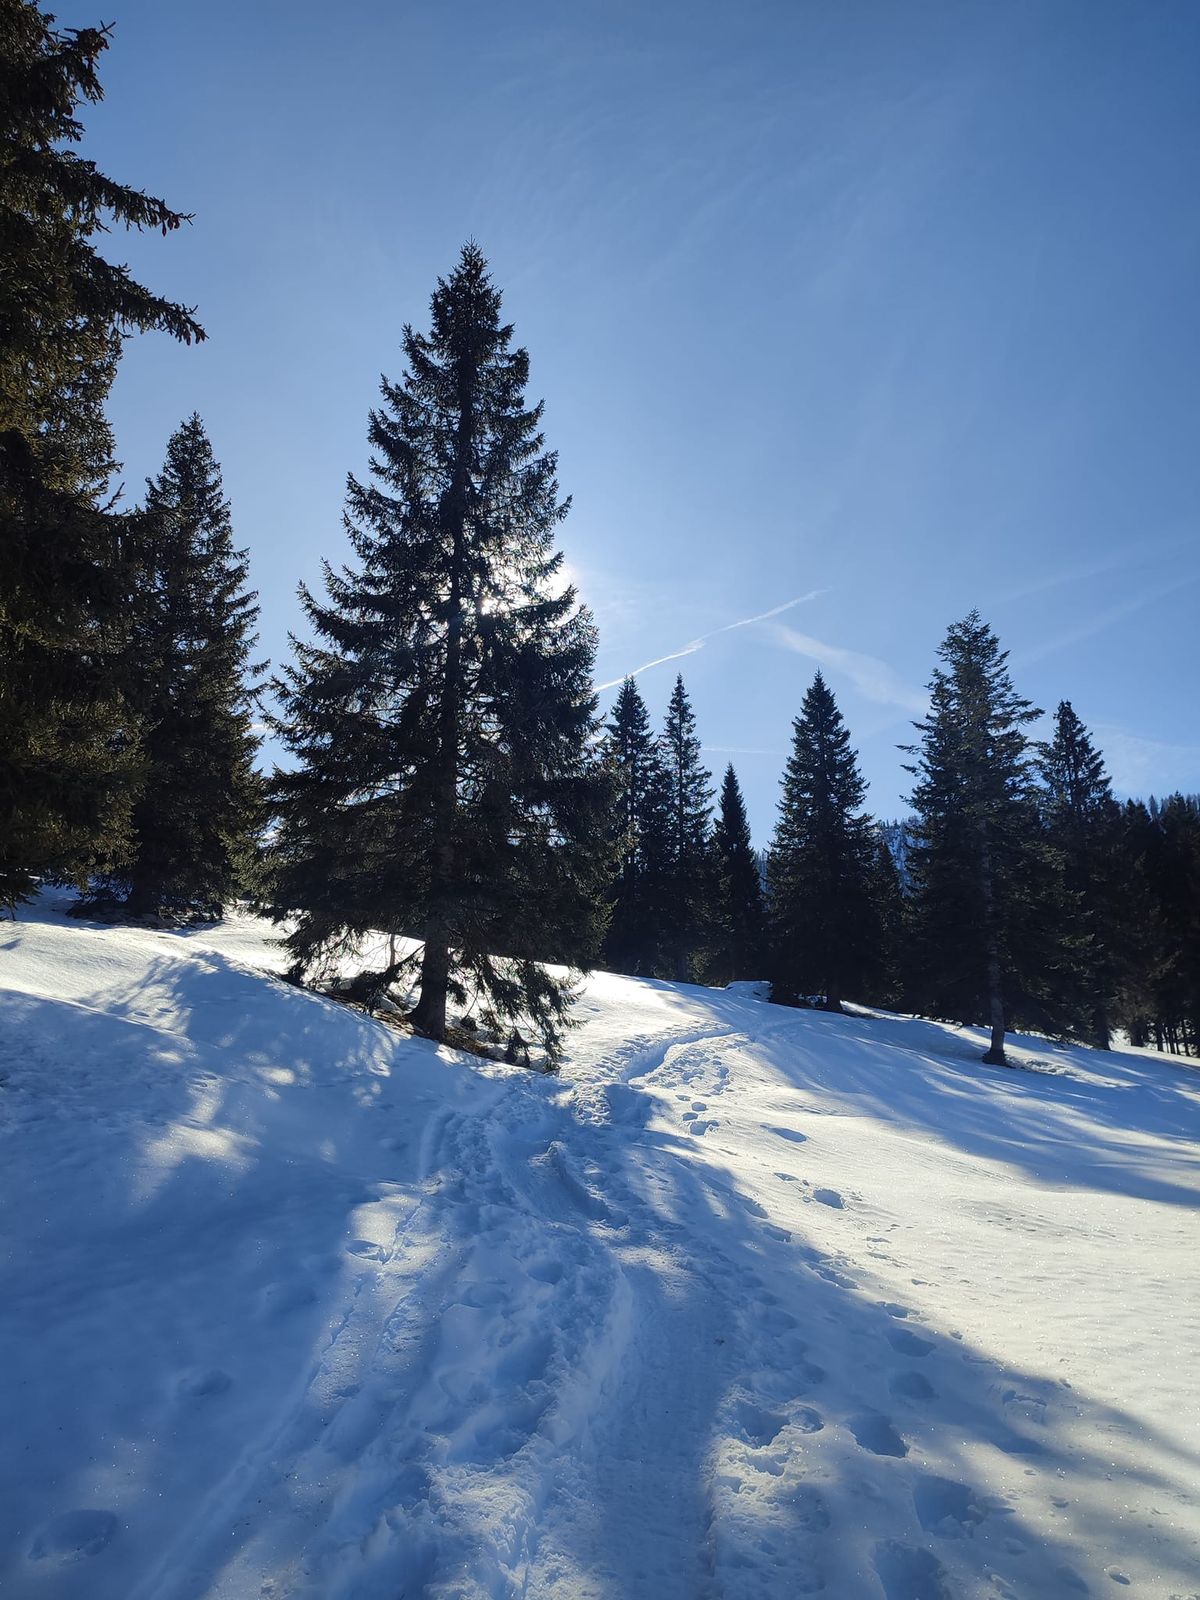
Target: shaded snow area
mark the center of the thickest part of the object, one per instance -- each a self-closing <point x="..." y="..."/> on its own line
<point x="748" y="1303"/>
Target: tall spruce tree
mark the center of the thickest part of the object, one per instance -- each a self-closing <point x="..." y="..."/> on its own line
<point x="1172" y="857"/>
<point x="888" y="979"/>
<point x="736" y="942"/>
<point x="689" y="809"/>
<point x="639" y="839"/>
<point x="200" y="800"/>
<point x="67" y="746"/>
<point x="1082" y="822"/>
<point x="442" y="723"/>
<point x="820" y="865"/>
<point x="1141" y="938"/>
<point x="993" y="921"/>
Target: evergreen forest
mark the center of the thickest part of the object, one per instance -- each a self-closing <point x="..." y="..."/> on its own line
<point x="453" y="818"/>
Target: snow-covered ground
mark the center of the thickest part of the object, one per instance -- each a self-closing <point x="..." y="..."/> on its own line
<point x="747" y="1303"/>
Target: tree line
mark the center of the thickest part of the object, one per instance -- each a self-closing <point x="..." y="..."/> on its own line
<point x="1020" y="893"/>
<point x="450" y="792"/>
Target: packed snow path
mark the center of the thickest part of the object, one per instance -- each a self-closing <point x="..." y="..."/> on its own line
<point x="747" y="1303"/>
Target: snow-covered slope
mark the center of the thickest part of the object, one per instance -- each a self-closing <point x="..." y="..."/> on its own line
<point x="748" y="1303"/>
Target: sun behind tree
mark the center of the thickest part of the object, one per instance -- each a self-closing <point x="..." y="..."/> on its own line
<point x="442" y="723"/>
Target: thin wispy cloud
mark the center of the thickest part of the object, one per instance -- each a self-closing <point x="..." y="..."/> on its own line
<point x="1136" y="554"/>
<point x="875" y="680"/>
<point x="1104" y="619"/>
<point x="699" y="643"/>
<point x="1140" y="766"/>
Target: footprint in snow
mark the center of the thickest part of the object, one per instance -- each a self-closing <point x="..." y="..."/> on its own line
<point x="1070" y="1580"/>
<point x="946" y="1507"/>
<point x="278" y="1299"/>
<point x="774" y="1318"/>
<point x="874" y="1432"/>
<point x="200" y="1385"/>
<point x="829" y="1197"/>
<point x="484" y="1296"/>
<point x="809" y="1510"/>
<point x="494" y="1434"/>
<point x="806" y="1576"/>
<point x="912" y="1386"/>
<point x="627" y="1106"/>
<point x="547" y="1271"/>
<point x="790" y="1135"/>
<point x="73" y="1535"/>
<point x="558" y="1165"/>
<point x="907" y="1343"/>
<point x="908" y="1574"/>
<point x="807" y="1375"/>
<point x="324" y="1264"/>
<point x="756" y="1424"/>
<point x="367" y="1249"/>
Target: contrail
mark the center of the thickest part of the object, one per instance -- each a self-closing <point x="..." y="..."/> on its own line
<point x="1104" y="619"/>
<point x="688" y="650"/>
<point x="698" y="644"/>
<point x="764" y="616"/>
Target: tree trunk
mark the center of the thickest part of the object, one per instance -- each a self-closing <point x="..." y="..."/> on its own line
<point x="1101" y="1032"/>
<point x="429" y="1014"/>
<point x="994" y="1056"/>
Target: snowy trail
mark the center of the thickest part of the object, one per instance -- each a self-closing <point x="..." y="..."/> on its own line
<point x="748" y="1304"/>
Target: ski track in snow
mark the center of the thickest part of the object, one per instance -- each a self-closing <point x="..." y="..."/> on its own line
<point x="747" y="1304"/>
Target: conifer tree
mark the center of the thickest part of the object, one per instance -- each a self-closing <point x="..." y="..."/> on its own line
<point x="67" y="756"/>
<point x="737" y="931"/>
<point x="1082" y="823"/>
<point x="888" y="977"/>
<point x="1172" y="865"/>
<point x="991" y="913"/>
<point x="1140" y="937"/>
<point x="690" y="806"/>
<point x="442" y="720"/>
<point x="199" y="805"/>
<point x="640" y="830"/>
<point x="820" y="865"/>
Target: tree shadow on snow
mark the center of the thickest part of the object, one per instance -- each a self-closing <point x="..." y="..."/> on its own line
<point x="622" y="1377"/>
<point x="186" y="1154"/>
<point x="780" y="1427"/>
<point x="1102" y="1120"/>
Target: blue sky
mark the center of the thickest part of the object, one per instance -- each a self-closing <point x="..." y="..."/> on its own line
<point x="886" y="309"/>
